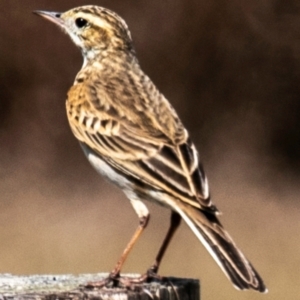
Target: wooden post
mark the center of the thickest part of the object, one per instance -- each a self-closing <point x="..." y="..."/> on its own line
<point x="69" y="287"/>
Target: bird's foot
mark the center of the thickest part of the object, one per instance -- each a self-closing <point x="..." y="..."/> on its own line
<point x="149" y="276"/>
<point x="112" y="280"/>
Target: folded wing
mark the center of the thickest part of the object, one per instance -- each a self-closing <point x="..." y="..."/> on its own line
<point x="147" y="151"/>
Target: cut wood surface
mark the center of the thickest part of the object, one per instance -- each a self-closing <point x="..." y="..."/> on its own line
<point x="73" y="287"/>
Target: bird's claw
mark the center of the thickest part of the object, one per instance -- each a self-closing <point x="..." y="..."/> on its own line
<point x="114" y="280"/>
<point x="149" y="276"/>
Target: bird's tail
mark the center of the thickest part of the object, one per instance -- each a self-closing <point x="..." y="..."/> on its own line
<point x="220" y="245"/>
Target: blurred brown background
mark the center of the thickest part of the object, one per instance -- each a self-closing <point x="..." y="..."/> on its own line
<point x="231" y="69"/>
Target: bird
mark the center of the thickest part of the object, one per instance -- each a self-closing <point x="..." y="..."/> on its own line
<point x="132" y="135"/>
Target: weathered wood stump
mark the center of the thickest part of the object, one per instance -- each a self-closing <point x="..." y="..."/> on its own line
<point x="61" y="287"/>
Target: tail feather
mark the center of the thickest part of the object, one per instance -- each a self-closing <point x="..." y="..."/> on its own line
<point x="220" y="245"/>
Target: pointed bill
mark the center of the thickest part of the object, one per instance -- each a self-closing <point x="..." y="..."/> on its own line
<point x="51" y="16"/>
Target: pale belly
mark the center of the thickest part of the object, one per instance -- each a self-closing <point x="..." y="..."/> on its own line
<point x="129" y="186"/>
<point x="105" y="169"/>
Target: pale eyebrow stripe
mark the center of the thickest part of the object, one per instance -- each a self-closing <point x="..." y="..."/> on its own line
<point x="93" y="18"/>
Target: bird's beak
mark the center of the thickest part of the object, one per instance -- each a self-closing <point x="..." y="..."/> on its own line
<point x="51" y="16"/>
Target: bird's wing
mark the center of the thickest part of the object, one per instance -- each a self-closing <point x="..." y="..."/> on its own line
<point x="133" y="139"/>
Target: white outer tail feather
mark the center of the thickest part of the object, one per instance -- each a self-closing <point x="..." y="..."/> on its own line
<point x="198" y="223"/>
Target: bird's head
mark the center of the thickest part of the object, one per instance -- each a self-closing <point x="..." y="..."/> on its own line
<point x="93" y="29"/>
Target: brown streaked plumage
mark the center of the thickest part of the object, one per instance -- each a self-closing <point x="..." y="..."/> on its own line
<point x="132" y="135"/>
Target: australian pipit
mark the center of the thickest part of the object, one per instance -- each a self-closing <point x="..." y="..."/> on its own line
<point x="132" y="135"/>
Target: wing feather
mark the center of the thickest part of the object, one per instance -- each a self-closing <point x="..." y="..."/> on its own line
<point x="141" y="141"/>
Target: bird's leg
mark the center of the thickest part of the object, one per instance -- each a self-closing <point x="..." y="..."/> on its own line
<point x="152" y="271"/>
<point x="142" y="225"/>
<point x="174" y="224"/>
<point x="114" y="275"/>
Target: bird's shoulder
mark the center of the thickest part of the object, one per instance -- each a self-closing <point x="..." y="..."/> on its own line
<point x="128" y="96"/>
<point x="124" y="118"/>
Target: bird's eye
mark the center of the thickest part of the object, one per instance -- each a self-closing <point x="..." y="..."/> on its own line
<point x="80" y="22"/>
